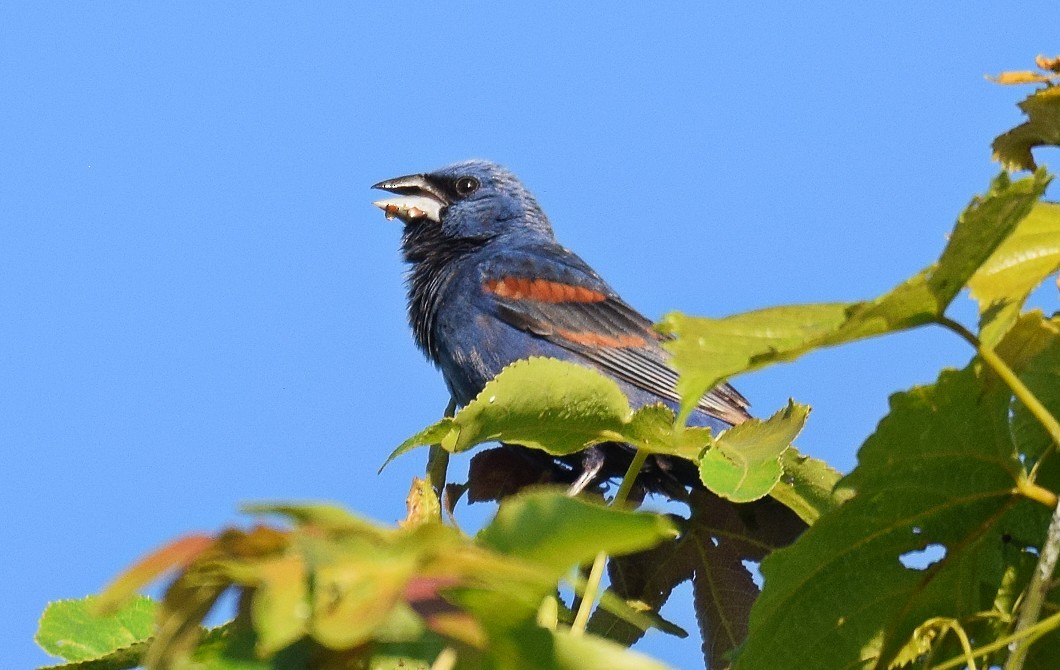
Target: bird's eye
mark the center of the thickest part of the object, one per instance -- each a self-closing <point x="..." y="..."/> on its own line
<point x="466" y="186"/>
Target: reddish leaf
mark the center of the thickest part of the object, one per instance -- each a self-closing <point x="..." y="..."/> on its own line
<point x="176" y="554"/>
<point x="497" y="473"/>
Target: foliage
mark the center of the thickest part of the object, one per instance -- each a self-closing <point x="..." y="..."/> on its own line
<point x="937" y="551"/>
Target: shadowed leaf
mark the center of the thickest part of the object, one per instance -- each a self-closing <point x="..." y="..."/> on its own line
<point x="1013" y="149"/>
<point x="808" y="486"/>
<point x="714" y="544"/>
<point x="497" y="473"/>
<point x="939" y="472"/>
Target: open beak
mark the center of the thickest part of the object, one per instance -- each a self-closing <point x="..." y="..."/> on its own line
<point x="419" y="199"/>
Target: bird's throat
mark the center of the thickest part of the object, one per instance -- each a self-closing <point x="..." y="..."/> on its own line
<point x="433" y="259"/>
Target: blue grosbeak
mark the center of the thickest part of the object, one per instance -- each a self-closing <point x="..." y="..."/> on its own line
<point x="489" y="285"/>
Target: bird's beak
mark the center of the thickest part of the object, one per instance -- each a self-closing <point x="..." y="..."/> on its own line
<point x="420" y="199"/>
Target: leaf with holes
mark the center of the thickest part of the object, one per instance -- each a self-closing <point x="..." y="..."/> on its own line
<point x="939" y="472"/>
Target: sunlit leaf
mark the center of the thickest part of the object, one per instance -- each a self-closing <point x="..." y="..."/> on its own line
<point x="588" y="652"/>
<point x="543" y="403"/>
<point x="558" y="532"/>
<point x="745" y="461"/>
<point x="1020" y="264"/>
<point x="707" y="351"/>
<point x="560" y="408"/>
<point x="353" y="597"/>
<point x="529" y="647"/>
<point x="70" y="630"/>
<point x="280" y="603"/>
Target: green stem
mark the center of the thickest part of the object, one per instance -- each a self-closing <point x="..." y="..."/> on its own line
<point x="592" y="585"/>
<point x="631" y="476"/>
<point x="1041" y="628"/>
<point x="1034" y="595"/>
<point x="438" y="460"/>
<point x="596" y="574"/>
<point x="1024" y="394"/>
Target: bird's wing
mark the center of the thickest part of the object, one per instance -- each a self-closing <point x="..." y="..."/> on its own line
<point x="557" y="296"/>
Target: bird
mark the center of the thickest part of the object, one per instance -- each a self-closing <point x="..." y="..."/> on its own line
<point x="488" y="284"/>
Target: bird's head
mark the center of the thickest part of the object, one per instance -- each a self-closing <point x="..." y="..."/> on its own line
<point x="473" y="200"/>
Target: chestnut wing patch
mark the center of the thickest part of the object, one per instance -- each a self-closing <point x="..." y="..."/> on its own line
<point x="605" y="330"/>
<point x="541" y="290"/>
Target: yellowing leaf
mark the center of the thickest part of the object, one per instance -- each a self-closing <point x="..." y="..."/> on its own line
<point x="1020" y="264"/>
<point x="353" y="597"/>
<point x="280" y="605"/>
<point x="1022" y="77"/>
<point x="1013" y="149"/>
<point x="422" y="504"/>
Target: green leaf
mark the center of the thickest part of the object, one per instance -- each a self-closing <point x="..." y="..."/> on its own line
<point x="232" y="647"/>
<point x="588" y="652"/>
<point x="543" y="403"/>
<point x="1020" y="264"/>
<point x="745" y="461"/>
<point x="355" y="596"/>
<point x="70" y="630"/>
<point x="561" y="408"/>
<point x="636" y="613"/>
<point x="557" y="532"/>
<point x="940" y="471"/>
<point x="708" y="351"/>
<point x="529" y="647"/>
<point x="808" y="486"/>
<point x="432" y="434"/>
<point x="1039" y="368"/>
<point x="324" y="515"/>
<point x="1013" y="149"/>
<point x="652" y="428"/>
<point x="279" y="603"/>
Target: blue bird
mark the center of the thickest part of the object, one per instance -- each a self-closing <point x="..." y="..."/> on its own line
<point x="488" y="284"/>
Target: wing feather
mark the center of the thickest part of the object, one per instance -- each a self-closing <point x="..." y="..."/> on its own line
<point x="548" y="297"/>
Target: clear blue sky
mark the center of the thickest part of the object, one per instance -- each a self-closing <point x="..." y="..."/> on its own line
<point x="200" y="307"/>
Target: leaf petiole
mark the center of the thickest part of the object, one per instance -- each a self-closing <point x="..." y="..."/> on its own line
<point x="596" y="574"/>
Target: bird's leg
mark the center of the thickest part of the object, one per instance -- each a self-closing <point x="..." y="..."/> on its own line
<point x="438" y="459"/>
<point x="592" y="464"/>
